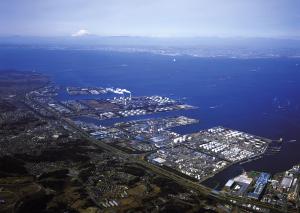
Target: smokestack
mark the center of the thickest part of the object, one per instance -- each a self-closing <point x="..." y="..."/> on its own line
<point x="124" y="99"/>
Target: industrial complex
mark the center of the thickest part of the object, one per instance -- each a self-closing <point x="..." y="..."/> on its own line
<point x="153" y="142"/>
<point x="198" y="155"/>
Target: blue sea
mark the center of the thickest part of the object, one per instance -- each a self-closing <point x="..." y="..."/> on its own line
<point x="259" y="96"/>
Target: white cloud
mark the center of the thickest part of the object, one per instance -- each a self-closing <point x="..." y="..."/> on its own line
<point x="80" y="33"/>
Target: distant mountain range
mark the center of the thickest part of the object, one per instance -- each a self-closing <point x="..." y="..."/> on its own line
<point x="197" y="46"/>
<point x="153" y="41"/>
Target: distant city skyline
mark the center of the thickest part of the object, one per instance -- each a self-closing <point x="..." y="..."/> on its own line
<point x="156" y="18"/>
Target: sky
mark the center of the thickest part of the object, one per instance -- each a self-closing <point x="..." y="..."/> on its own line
<point x="158" y="18"/>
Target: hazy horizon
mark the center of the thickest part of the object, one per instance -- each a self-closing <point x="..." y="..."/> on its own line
<point x="178" y="19"/>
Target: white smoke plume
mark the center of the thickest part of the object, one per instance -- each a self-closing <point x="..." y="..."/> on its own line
<point x="118" y="91"/>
